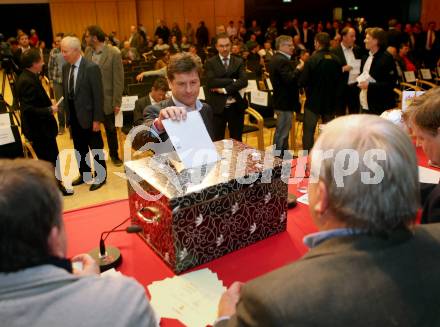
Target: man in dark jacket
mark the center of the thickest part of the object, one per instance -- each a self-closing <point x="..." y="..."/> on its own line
<point x="284" y="78"/>
<point x="321" y="77"/>
<point x="83" y="94"/>
<point x="349" y="56"/>
<point x="37" y="111"/>
<point x="225" y="77"/>
<point x="424" y="115"/>
<point x="184" y="79"/>
<point x="379" y="75"/>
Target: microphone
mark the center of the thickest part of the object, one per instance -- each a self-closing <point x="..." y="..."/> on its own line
<point x="108" y="257"/>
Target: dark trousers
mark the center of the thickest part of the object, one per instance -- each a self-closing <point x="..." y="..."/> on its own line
<point x="309" y="126"/>
<point x="85" y="140"/>
<point x="112" y="136"/>
<point x="349" y="99"/>
<point x="47" y="149"/>
<point x="234" y="118"/>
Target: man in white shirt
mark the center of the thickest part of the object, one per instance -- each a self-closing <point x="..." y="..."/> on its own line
<point x="379" y="76"/>
<point x="349" y="56"/>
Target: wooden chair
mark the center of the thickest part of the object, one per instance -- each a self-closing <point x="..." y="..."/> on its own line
<point x="255" y="125"/>
<point x="404" y="85"/>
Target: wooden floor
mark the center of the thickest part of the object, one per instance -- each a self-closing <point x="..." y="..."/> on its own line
<point x="116" y="186"/>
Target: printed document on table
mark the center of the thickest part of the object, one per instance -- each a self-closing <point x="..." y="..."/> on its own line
<point x="191" y="140"/>
<point x="6" y="135"/>
<point x="429" y="176"/>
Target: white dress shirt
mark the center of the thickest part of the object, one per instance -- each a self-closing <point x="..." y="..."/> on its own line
<point x="364" y="92"/>
<point x="349" y="58"/>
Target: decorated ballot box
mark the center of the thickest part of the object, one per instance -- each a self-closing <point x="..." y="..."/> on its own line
<point x="192" y="216"/>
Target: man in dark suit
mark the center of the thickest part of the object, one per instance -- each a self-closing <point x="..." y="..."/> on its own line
<point x="37" y="111"/>
<point x="348" y="55"/>
<point x="183" y="75"/>
<point x="83" y="96"/>
<point x="431" y="46"/>
<point x="284" y="78"/>
<point x="395" y="36"/>
<point x="379" y="74"/>
<point x="369" y="264"/>
<point x="320" y="78"/>
<point x="307" y="36"/>
<point x="225" y="77"/>
<point x="157" y="94"/>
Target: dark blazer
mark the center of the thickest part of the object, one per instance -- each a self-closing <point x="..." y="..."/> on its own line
<point x="339" y="53"/>
<point x="89" y="96"/>
<point x="431" y="203"/>
<point x="152" y="112"/>
<point x="38" y="122"/>
<point x="321" y="79"/>
<point x="310" y="38"/>
<point x="218" y="77"/>
<point x="284" y="78"/>
<point x="139" y="107"/>
<point x="380" y="95"/>
<point x="358" y="281"/>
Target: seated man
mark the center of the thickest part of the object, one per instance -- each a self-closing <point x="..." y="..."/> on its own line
<point x="184" y="80"/>
<point x="424" y="119"/>
<point x="136" y="117"/>
<point x="37" y="284"/>
<point x="368" y="265"/>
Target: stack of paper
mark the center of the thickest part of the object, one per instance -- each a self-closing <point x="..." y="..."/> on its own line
<point x="191" y="298"/>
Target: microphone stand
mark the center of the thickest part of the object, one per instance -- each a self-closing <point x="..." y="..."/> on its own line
<point x="108" y="257"/>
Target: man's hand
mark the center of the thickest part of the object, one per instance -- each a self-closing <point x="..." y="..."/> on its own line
<point x="90" y="267"/>
<point x="346" y="68"/>
<point x="173" y="113"/>
<point x="363" y="85"/>
<point x="54" y="108"/>
<point x="116" y="110"/>
<point x="96" y="126"/>
<point x="229" y="299"/>
<point x="140" y="77"/>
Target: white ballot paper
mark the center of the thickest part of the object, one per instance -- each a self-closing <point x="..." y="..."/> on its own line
<point x="365" y="77"/>
<point x="128" y="103"/>
<point x="59" y="101"/>
<point x="426" y="73"/>
<point x="259" y="98"/>
<point x="304" y="199"/>
<point x="269" y="84"/>
<point x="429" y="176"/>
<point x="356" y="67"/>
<point x="201" y="94"/>
<point x="191" y="298"/>
<point x="119" y="119"/>
<point x="6" y="135"/>
<point x="252" y="86"/>
<point x="410" y="77"/>
<point x="191" y="140"/>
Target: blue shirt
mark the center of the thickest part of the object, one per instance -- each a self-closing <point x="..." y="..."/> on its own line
<point x="315" y="239"/>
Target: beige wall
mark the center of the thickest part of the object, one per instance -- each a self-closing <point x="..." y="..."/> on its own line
<point x="118" y="15"/>
<point x="430" y="12"/>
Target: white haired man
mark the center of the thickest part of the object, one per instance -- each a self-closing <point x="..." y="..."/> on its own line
<point x="368" y="265"/>
<point x="83" y="101"/>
